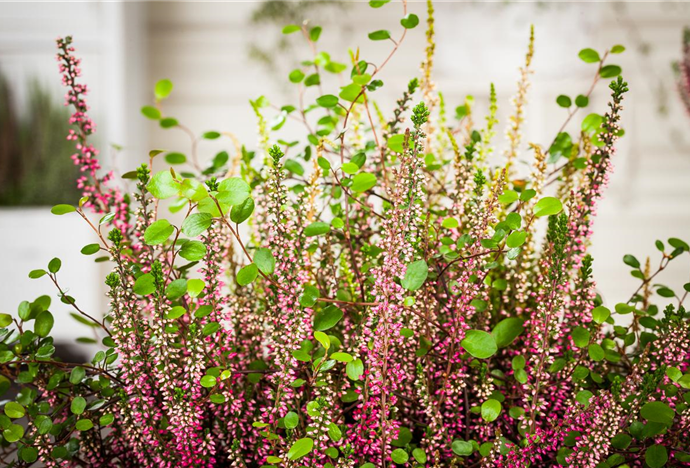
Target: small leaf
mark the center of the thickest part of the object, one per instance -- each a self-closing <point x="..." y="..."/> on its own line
<point x="90" y="249"/>
<point x="14" y="410"/>
<point x="309" y="296"/>
<point x="78" y="405"/>
<point x="44" y="324"/>
<point x="208" y="381"/>
<point x="247" y="274"/>
<point x="151" y="112"/>
<point x="193" y="251"/>
<point x="196" y="224"/>
<point x="300" y="448"/>
<point x="175" y="158"/>
<point x="479" y="344"/>
<point x="490" y="410"/>
<point x="327" y="101"/>
<point x="600" y="314"/>
<point x="84" y="425"/>
<point x="415" y="275"/>
<point x="291" y="28"/>
<point x="506" y="331"/>
<point x="322" y="338"/>
<point x="144" y="285"/>
<point x="656" y="456"/>
<point x="589" y="55"/>
<point x="316" y="229"/>
<point x="547" y="206"/>
<point x="410" y="21"/>
<point x="610" y="71"/>
<point x="630" y="260"/>
<point x="617" y="49"/>
<point x="233" y="191"/>
<point x="658" y="412"/>
<point x="327" y="318"/>
<point x="516" y="239"/>
<point x="240" y="213"/>
<point x="363" y="182"/>
<point x="163" y="89"/>
<point x="564" y="101"/>
<point x="264" y="260"/>
<point x="380" y="35"/>
<point x="581" y="101"/>
<point x="355" y="369"/>
<point x="462" y="448"/>
<point x="399" y="456"/>
<point x="291" y="420"/>
<point x="158" y="232"/>
<point x="62" y="209"/>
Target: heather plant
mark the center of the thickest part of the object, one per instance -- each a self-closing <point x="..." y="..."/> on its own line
<point x="387" y="288"/>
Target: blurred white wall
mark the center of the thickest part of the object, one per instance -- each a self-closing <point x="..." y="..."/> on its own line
<point x="202" y="47"/>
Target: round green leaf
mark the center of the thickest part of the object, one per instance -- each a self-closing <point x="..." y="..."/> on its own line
<point x="462" y="448"/>
<point x="589" y="55"/>
<point x="380" y="35"/>
<point x="28" y="454"/>
<point x="233" y="191"/>
<point x="78" y="405"/>
<point x="581" y="101"/>
<point x="656" y="456"/>
<point x="658" y="412"/>
<point x="13" y="433"/>
<point x="516" y="239"/>
<point x="151" y="112"/>
<point x="264" y="260"/>
<point x="158" y="232"/>
<point x="14" y="410"/>
<point x="193" y="251"/>
<point x="415" y="275"/>
<point x="247" y="274"/>
<point x="90" y="249"/>
<point x="564" y="101"/>
<point x="479" y="344"/>
<point x="291" y="420"/>
<point x="163" y="89"/>
<point x="291" y="28"/>
<point x="44" y="324"/>
<point x="547" y="206"/>
<point x="62" y="209"/>
<point x="162" y="185"/>
<point x="490" y="410"/>
<point x="176" y="289"/>
<point x="610" y="71"/>
<point x="327" y="100"/>
<point x="296" y="76"/>
<point x="355" y="369"/>
<point x="196" y="224"/>
<point x="240" y="213"/>
<point x="300" y="448"/>
<point x="84" y="425"/>
<point x="410" y="21"/>
<point x="144" y="285"/>
<point x="208" y="381"/>
<point x="363" y="182"/>
<point x="399" y="456"/>
<point x="506" y="331"/>
<point x="327" y="318"/>
<point x="600" y="314"/>
<point x="580" y="337"/>
<point x="316" y="229"/>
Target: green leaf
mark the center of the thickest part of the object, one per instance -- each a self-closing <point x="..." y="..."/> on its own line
<point x="5" y="320"/>
<point x="589" y="55"/>
<point x="419" y="455"/>
<point x="327" y="318"/>
<point x="210" y="328"/>
<point x="617" y="49"/>
<point x="580" y="337"/>
<point x="193" y="251"/>
<point x="564" y="101"/>
<point x="355" y="369"/>
<point x="507" y="197"/>
<point x="315" y="33"/>
<point x="54" y="265"/>
<point x="144" y="285"/>
<point x="363" y="182"/>
<point x="35" y="274"/>
<point x="208" y="381"/>
<point x="162" y="185"/>
<point x="168" y="122"/>
<point x="506" y="331"/>
<point x="212" y="135"/>
<point x="158" y="232"/>
<point x="450" y="223"/>
<point x="600" y="314"/>
<point x="380" y="35"/>
<point x="610" y="71"/>
<point x="175" y="313"/>
<point x="399" y="456"/>
<point x="163" y="89"/>
<point x="13" y="433"/>
<point x="596" y="352"/>
<point x="247" y="274"/>
<point x="377" y="4"/>
<point x="630" y="260"/>
<point x="581" y="101"/>
<point x="351" y="92"/>
<point x="78" y="405"/>
<point x="176" y="289"/>
<point x="327" y="100"/>
<point x="322" y="338"/>
<point x="462" y="448"/>
<point x="516" y="239"/>
<point x="592" y="123"/>
<point x="151" y="112"/>
<point x="84" y="425"/>
<point x="264" y="260"/>
<point x="316" y="229"/>
<point x="90" y="249"/>
<point x="291" y="28"/>
<point x="341" y="357"/>
<point x="658" y="412"/>
<point x="656" y="456"/>
<point x="77" y="375"/>
<point x="309" y="296"/>
<point x="300" y="448"/>
<point x="240" y="213"/>
<point x="291" y="420"/>
<point x="410" y="21"/>
<point x="415" y="275"/>
<point x="106" y="419"/>
<point x="490" y="410"/>
<point x="396" y="143"/>
<point x="479" y="344"/>
<point x="29" y="454"/>
<point x="296" y="76"/>
<point x="175" y="158"/>
<point x="62" y="209"/>
<point x="196" y="223"/>
<point x="233" y="191"/>
<point x="14" y="410"/>
<point x="44" y="324"/>
<point x="547" y="206"/>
